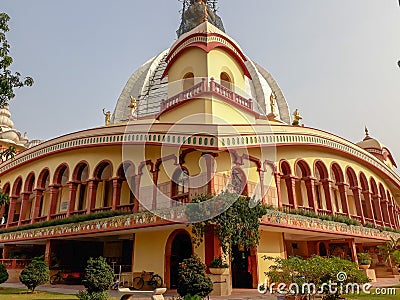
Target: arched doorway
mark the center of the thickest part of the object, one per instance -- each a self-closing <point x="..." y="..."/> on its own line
<point x="242" y="277"/>
<point x="179" y="247"/>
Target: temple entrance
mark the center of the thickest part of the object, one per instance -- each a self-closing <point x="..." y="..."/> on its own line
<point x="241" y="269"/>
<point x="180" y="245"/>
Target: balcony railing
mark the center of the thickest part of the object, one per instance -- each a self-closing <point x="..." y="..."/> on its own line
<point x="15" y="263"/>
<point x="125" y="208"/>
<point x="203" y="87"/>
<point x="58" y="216"/>
<point x="324" y="212"/>
<point x="101" y="209"/>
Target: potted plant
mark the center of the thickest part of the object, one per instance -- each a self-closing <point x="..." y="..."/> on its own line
<point x="218" y="266"/>
<point x="364" y="260"/>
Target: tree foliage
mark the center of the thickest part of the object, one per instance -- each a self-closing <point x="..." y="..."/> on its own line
<point x="237" y="225"/>
<point x="99" y="276"/>
<point x="3" y="274"/>
<point x="193" y="280"/>
<point x="9" y="81"/>
<point x="35" y="274"/>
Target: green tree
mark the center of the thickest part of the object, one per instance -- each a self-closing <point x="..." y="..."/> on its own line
<point x="99" y="276"/>
<point x="9" y="81"/>
<point x="237" y="225"/>
<point x="35" y="274"/>
<point x="193" y="280"/>
<point x="3" y="274"/>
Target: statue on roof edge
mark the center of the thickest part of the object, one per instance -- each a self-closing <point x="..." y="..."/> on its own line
<point x="195" y="14"/>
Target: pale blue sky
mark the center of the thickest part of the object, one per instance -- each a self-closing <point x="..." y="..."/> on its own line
<point x="334" y="60"/>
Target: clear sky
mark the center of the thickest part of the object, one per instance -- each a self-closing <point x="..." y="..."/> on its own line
<point x="336" y="61"/>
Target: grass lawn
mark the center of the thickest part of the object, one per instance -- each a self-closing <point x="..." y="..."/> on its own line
<point x="373" y="296"/>
<point x="18" y="294"/>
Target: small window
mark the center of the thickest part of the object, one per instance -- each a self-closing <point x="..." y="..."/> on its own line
<point x="226" y="80"/>
<point x="188" y="81"/>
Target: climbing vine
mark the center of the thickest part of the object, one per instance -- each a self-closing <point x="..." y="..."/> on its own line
<point x="237" y="225"/>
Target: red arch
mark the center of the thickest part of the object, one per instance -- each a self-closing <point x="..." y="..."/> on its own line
<point x="168" y="253"/>
<point x="364" y="182"/>
<point x="7" y="188"/>
<point x="337" y="172"/>
<point x="17" y="187"/>
<point x="58" y="174"/>
<point x="352" y="177"/>
<point x="285" y="168"/>
<point x="322" y="169"/>
<point x="374" y="187"/>
<point x="41" y="184"/>
<point x="304" y="168"/>
<point x="126" y="169"/>
<point x="77" y="174"/>
<point x="382" y="191"/>
<point x="29" y="183"/>
<point x="98" y="170"/>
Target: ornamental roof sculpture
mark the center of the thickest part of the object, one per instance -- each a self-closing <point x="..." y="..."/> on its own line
<point x="195" y="12"/>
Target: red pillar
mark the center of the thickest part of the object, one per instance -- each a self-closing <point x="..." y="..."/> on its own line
<point x="24" y="204"/>
<point x="136" y="193"/>
<point x="312" y="201"/>
<point x="278" y="188"/>
<point x="377" y="202"/>
<point x="212" y="246"/>
<point x="91" y="203"/>
<point x="73" y="187"/>
<point x="385" y="212"/>
<point x="11" y="210"/>
<point x="370" y="210"/>
<point x="210" y="164"/>
<point x="326" y="185"/>
<point x="343" y="198"/>
<point x="291" y="188"/>
<point x="357" y="200"/>
<point x="37" y="201"/>
<point x="53" y="200"/>
<point x="116" y="200"/>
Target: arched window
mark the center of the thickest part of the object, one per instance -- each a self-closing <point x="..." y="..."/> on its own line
<point x="103" y="174"/>
<point x="126" y="173"/>
<point x="188" y="81"/>
<point x="226" y="80"/>
<point x="180" y="185"/>
<point x="61" y="178"/>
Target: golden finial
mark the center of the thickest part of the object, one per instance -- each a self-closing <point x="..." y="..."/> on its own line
<point x="107" y="115"/>
<point x="133" y="106"/>
<point x="297" y="118"/>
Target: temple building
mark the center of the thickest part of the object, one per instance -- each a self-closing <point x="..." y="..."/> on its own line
<point x="197" y="119"/>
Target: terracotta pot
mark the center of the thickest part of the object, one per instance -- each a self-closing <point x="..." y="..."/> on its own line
<point x="217" y="271"/>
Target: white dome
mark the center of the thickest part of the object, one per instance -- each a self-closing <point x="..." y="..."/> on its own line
<point x="148" y="85"/>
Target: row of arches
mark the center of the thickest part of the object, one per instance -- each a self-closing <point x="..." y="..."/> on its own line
<point x="189" y="81"/>
<point x="65" y="193"/>
<point x="336" y="192"/>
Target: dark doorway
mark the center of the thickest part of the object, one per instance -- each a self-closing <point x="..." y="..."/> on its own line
<point x="322" y="250"/>
<point x="180" y="250"/>
<point x="241" y="269"/>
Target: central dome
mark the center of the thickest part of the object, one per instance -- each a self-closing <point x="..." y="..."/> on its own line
<point x="150" y="87"/>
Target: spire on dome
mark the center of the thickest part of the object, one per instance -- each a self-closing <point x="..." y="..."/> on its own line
<point x="195" y="12"/>
<point x="367" y="137"/>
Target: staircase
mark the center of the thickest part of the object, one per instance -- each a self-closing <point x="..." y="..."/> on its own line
<point x="384" y="272"/>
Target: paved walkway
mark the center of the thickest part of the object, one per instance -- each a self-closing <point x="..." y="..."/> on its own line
<point x="237" y="294"/>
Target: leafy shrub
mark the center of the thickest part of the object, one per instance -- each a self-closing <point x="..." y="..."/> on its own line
<point x="35" y="274"/>
<point x="318" y="270"/>
<point x="218" y="263"/>
<point x="193" y="279"/>
<point x="99" y="276"/>
<point x="3" y="274"/>
<point x="364" y="258"/>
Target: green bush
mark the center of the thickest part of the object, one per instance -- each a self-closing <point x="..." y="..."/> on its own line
<point x="364" y="258"/>
<point x="218" y="263"/>
<point x="193" y="280"/>
<point x="318" y="270"/>
<point x="3" y="274"/>
<point x="35" y="274"/>
<point x="99" y="276"/>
